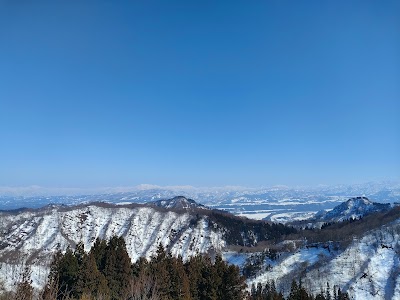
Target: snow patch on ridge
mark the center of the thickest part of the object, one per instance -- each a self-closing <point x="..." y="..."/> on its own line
<point x="35" y="236"/>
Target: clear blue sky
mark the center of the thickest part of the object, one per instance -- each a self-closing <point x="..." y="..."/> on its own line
<point x="204" y="93"/>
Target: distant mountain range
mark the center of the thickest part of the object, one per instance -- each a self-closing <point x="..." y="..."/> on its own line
<point x="362" y="257"/>
<point x="239" y="200"/>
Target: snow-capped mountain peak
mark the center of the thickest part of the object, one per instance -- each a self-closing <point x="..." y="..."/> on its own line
<point x="353" y="208"/>
<point x="178" y="202"/>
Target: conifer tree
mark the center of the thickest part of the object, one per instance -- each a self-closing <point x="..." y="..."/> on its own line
<point x="67" y="274"/>
<point x="342" y="295"/>
<point x="193" y="269"/>
<point x="206" y="285"/>
<point x="90" y="281"/>
<point x="294" y="289"/>
<point x="233" y="284"/>
<point x="159" y="269"/>
<point x="179" y="281"/>
<point x="259" y="291"/>
<point x="272" y="293"/>
<point x="51" y="288"/>
<point x="99" y="253"/>
<point x="320" y="296"/>
<point x="328" y="292"/>
<point x="253" y="292"/>
<point x="117" y="268"/>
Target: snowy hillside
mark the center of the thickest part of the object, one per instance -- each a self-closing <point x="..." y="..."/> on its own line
<point x="34" y="236"/>
<point x="181" y="225"/>
<point x="353" y="208"/>
<point x="362" y="256"/>
<point x="368" y="269"/>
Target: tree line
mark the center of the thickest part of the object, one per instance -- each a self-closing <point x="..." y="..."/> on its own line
<point x="297" y="292"/>
<point x="106" y="273"/>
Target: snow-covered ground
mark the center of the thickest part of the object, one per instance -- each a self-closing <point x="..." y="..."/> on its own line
<point x="368" y="269"/>
<point x="39" y="234"/>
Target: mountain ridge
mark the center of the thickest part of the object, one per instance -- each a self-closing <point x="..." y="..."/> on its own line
<point x="31" y="236"/>
<point x="353" y="208"/>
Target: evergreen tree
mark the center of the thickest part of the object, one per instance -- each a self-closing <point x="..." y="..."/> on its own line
<point x="99" y="253"/>
<point x="294" y="290"/>
<point x="302" y="293"/>
<point x="253" y="292"/>
<point x="90" y="281"/>
<point x="233" y="284"/>
<point x="193" y="270"/>
<point x="117" y="268"/>
<point x="79" y="252"/>
<point x="50" y="290"/>
<point x="67" y="274"/>
<point x="259" y="291"/>
<point x="179" y="281"/>
<point x="320" y="296"/>
<point x="342" y="295"/>
<point x="273" y="294"/>
<point x="328" y="292"/>
<point x="207" y="284"/>
<point x="76" y="275"/>
<point x="159" y="269"/>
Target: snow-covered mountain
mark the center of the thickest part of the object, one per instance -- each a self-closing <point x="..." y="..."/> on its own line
<point x="353" y="208"/>
<point x="33" y="235"/>
<point x="277" y="203"/>
<point x="361" y="257"/>
<point x="179" y="203"/>
<point x="368" y="269"/>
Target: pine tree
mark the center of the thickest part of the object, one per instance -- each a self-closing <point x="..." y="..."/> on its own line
<point x="67" y="274"/>
<point x="294" y="290"/>
<point x="206" y="286"/>
<point x="335" y="296"/>
<point x="99" y="253"/>
<point x="219" y="272"/>
<point x="259" y="291"/>
<point x="79" y="252"/>
<point x="193" y="270"/>
<point x="51" y="288"/>
<point x="117" y="269"/>
<point x="273" y="293"/>
<point x="179" y="280"/>
<point x="159" y="269"/>
<point x="233" y="284"/>
<point x="320" y="296"/>
<point x="302" y="293"/>
<point x="90" y="281"/>
<point x="253" y="292"/>
<point x="342" y="295"/>
<point x="328" y="292"/>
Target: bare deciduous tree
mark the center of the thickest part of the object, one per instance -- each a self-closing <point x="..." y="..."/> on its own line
<point x="143" y="287"/>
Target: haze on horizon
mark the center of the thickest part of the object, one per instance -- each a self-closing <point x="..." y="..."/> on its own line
<point x="199" y="93"/>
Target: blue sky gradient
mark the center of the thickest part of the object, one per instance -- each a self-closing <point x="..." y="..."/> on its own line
<point x="204" y="93"/>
